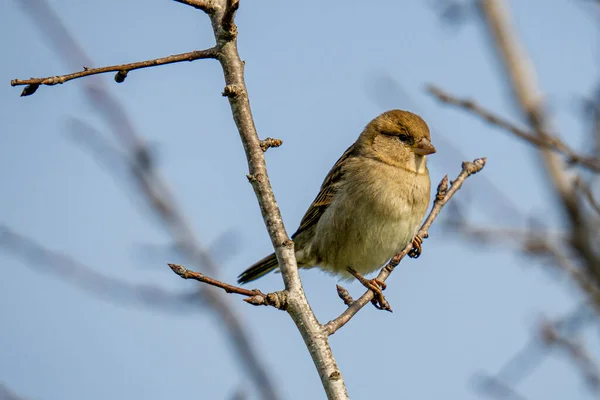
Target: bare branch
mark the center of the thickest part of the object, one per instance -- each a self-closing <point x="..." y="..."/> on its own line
<point x="546" y="141"/>
<point x="526" y="94"/>
<point x="494" y="387"/>
<point x="526" y="239"/>
<point x="121" y="69"/>
<point x="580" y="276"/>
<point x="550" y="245"/>
<point x="156" y="191"/>
<point x="585" y="189"/>
<point x="7" y="394"/>
<point x="255" y="296"/>
<point x="205" y="6"/>
<point x="575" y="351"/>
<point x="43" y="260"/>
<point x="530" y="357"/>
<point x="314" y="335"/>
<point x="443" y="196"/>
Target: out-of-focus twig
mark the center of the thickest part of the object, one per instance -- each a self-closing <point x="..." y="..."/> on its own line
<point x="529" y="357"/>
<point x="579" y="276"/>
<point x="46" y="261"/>
<point x="6" y="394"/>
<point x="443" y="196"/>
<point x="546" y="141"/>
<point x="525" y="239"/>
<point x="550" y="245"/>
<point x="520" y="75"/>
<point x="493" y="387"/>
<point x="575" y="352"/>
<point x="587" y="192"/>
<point x="154" y="190"/>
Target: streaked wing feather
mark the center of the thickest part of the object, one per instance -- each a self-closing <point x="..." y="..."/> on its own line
<point x="326" y="194"/>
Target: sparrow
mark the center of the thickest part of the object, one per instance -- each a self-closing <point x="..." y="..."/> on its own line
<point x="370" y="204"/>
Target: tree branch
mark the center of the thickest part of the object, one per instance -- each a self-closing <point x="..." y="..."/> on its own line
<point x="44" y="261"/>
<point x="530" y="357"/>
<point x="205" y="6"/>
<point x="442" y="197"/>
<point x="121" y="69"/>
<point x="520" y="75"/>
<point x="575" y="350"/>
<point x="6" y="394"/>
<point x="587" y="192"/>
<point x="545" y="141"/>
<point x="255" y="296"/>
<point x="156" y="192"/>
<point x="314" y="335"/>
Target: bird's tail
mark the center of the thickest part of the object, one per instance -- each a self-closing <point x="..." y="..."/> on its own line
<point x="262" y="267"/>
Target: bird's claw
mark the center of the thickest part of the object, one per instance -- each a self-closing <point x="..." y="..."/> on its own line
<point x="377" y="287"/>
<point x="416" y="250"/>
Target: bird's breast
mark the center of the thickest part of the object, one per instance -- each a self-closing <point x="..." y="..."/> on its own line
<point x="373" y="216"/>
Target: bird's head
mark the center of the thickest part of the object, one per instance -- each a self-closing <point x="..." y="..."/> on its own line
<point x="398" y="137"/>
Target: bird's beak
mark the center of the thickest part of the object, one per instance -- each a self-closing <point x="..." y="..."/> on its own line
<point x="424" y="147"/>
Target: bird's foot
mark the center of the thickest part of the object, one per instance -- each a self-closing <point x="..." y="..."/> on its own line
<point x="377" y="287"/>
<point x="415" y="252"/>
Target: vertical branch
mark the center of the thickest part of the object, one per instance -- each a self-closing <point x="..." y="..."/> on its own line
<point x="313" y="333"/>
<point x="154" y="188"/>
<point x="526" y="94"/>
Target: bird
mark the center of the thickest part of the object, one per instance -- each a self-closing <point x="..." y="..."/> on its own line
<point x="369" y="206"/>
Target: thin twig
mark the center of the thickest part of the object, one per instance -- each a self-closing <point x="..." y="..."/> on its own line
<point x="200" y="277"/>
<point x="121" y="69"/>
<point x="490" y="198"/>
<point x="527" y="96"/>
<point x="494" y="387"/>
<point x="255" y="296"/>
<point x="443" y="196"/>
<point x="205" y="6"/>
<point x="545" y="141"/>
<point x="156" y="191"/>
<point x="530" y="357"/>
<point x="575" y="350"/>
<point x="579" y="275"/>
<point x="587" y="191"/>
<point x="526" y="239"/>
<point x="45" y="261"/>
<point x="7" y="394"/>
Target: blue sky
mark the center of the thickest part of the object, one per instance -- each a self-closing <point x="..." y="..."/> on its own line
<point x="316" y="72"/>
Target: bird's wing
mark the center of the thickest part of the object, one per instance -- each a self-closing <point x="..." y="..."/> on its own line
<point x="328" y="189"/>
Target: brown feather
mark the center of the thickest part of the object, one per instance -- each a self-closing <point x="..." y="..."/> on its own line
<point x="326" y="193"/>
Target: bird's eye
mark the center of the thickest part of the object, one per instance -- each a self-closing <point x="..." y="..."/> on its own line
<point x="403" y="137"/>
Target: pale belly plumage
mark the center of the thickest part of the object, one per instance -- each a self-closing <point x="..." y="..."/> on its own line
<point x="365" y="232"/>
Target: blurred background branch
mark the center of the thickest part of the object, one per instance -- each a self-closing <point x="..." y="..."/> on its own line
<point x="468" y="306"/>
<point x="6" y="394"/>
<point x="153" y="189"/>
